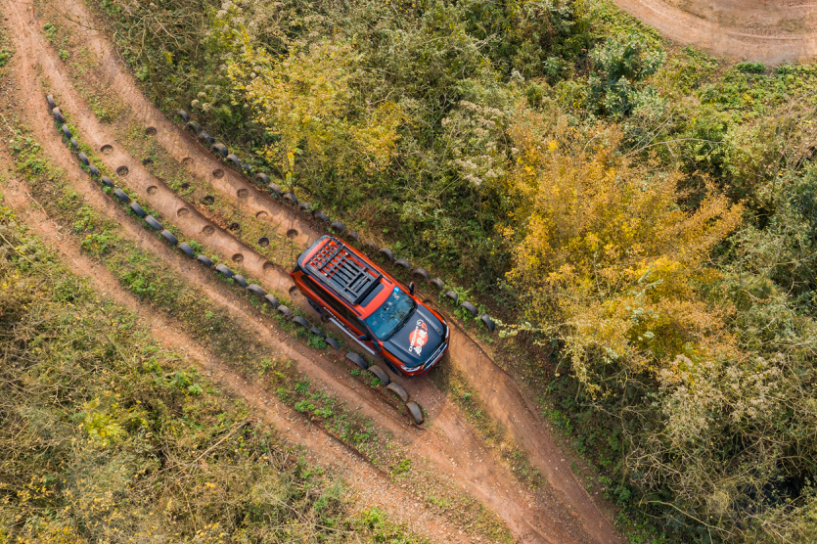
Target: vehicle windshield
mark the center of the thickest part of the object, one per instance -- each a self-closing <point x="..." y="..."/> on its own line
<point x="389" y="316"/>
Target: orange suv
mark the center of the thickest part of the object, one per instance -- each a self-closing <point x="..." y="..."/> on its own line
<point x="375" y="310"/>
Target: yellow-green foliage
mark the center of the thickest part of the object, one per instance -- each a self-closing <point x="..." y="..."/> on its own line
<point x="304" y="101"/>
<point x="604" y="253"/>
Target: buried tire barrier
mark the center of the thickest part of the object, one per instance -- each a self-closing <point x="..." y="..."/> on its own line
<point x="398" y="390"/>
<point x="220" y="148"/>
<point x="120" y="194"/>
<point x="206" y="137"/>
<point x="137" y="209"/>
<point x="304" y="206"/>
<point x="354" y="235"/>
<point x="301" y="321"/>
<point x="470" y="307"/>
<point x="74" y="144"/>
<point x="292" y="198"/>
<point x="247" y="167"/>
<point x="404" y="263"/>
<point x="84" y="158"/>
<point x="358" y="360"/>
<point x="263" y="178"/>
<point x="107" y="181"/>
<point x="284" y="311"/>
<point x="274" y="302"/>
<point x="224" y="271"/>
<point x="452" y="295"/>
<point x="416" y="412"/>
<point x="380" y="374"/>
<point x="275" y="189"/>
<point x="421" y="272"/>
<point x="194" y="126"/>
<point x="93" y="170"/>
<point x="239" y="279"/>
<point x="488" y="322"/>
<point x="170" y="237"/>
<point x="322" y="216"/>
<point x="332" y="342"/>
<point x="51" y="103"/>
<point x="66" y="131"/>
<point x="388" y="253"/>
<point x="253" y="288"/>
<point x="338" y="226"/>
<point x="58" y="115"/>
<point x="187" y="250"/>
<point x="150" y="220"/>
<point x="439" y="283"/>
<point x="183" y="114"/>
<point x="204" y="260"/>
<point x="317" y="332"/>
<point x="233" y="158"/>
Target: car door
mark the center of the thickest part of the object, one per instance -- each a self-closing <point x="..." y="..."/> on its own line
<point x="341" y="315"/>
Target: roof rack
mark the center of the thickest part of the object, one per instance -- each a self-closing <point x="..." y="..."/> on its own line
<point x="343" y="272"/>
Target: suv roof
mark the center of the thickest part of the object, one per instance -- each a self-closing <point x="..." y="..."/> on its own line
<point x="339" y="269"/>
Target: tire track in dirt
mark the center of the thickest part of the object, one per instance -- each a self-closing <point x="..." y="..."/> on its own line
<point x="370" y="484"/>
<point x="504" y="400"/>
<point x="459" y="444"/>
<point x="771" y="45"/>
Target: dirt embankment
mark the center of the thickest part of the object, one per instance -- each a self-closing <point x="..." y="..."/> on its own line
<point x="773" y="32"/>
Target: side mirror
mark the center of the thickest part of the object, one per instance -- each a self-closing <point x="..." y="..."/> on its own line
<point x="411" y="288"/>
<point x="363" y="337"/>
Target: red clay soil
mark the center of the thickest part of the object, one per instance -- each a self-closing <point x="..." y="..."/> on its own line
<point x="769" y="31"/>
<point x="453" y="445"/>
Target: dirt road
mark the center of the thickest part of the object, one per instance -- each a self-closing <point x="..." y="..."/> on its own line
<point x="769" y="31"/>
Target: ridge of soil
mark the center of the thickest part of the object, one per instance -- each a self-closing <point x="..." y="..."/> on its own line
<point x="504" y="400"/>
<point x="453" y="441"/>
<point x="751" y="30"/>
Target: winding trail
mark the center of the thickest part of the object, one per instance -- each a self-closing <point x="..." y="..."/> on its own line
<point x="451" y="444"/>
<point x="574" y="519"/>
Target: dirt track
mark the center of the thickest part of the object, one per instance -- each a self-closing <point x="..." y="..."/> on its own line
<point x="454" y="444"/>
<point x="773" y="32"/>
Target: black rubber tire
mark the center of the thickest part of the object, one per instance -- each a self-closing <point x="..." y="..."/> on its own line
<point x="93" y="170"/>
<point x="292" y="198"/>
<point x="317" y="332"/>
<point x="240" y="280"/>
<point x="388" y="253"/>
<point x="358" y="360"/>
<point x="224" y="271"/>
<point x="332" y="342"/>
<point x="380" y="374"/>
<point x="371" y="245"/>
<point x="439" y="283"/>
<point x="263" y="178"/>
<point x="66" y="131"/>
<point x="74" y="144"/>
<point x="391" y="367"/>
<point x="284" y="311"/>
<point x="488" y="322"/>
<point x="58" y="115"/>
<point x="247" y="167"/>
<point x="416" y="412"/>
<point x="184" y="115"/>
<point x="354" y="236"/>
<point x="452" y="295"/>
<point x="398" y="390"/>
<point x="304" y="206"/>
<point x="470" y="307"/>
<point x="204" y="260"/>
<point x="404" y="263"/>
<point x="107" y="181"/>
<point x="272" y="300"/>
<point x="322" y="216"/>
<point x="170" y="237"/>
<point x="301" y="321"/>
<point x="51" y="103"/>
<point x="338" y="226"/>
<point x="421" y="272"/>
<point x="275" y="189"/>
<point x="194" y="126"/>
<point x="253" y="288"/>
<point x="84" y="158"/>
<point x="206" y="137"/>
<point x="120" y="194"/>
<point x="220" y="148"/>
<point x="233" y="158"/>
<point x="187" y="250"/>
<point x="137" y="209"/>
<point x="150" y="220"/>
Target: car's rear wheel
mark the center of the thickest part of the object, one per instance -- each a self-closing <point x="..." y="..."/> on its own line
<point x="392" y="368"/>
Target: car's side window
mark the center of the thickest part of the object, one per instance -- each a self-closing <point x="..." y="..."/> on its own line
<point x="339" y="308"/>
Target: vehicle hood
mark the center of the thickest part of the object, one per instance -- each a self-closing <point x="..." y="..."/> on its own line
<point x="418" y="339"/>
